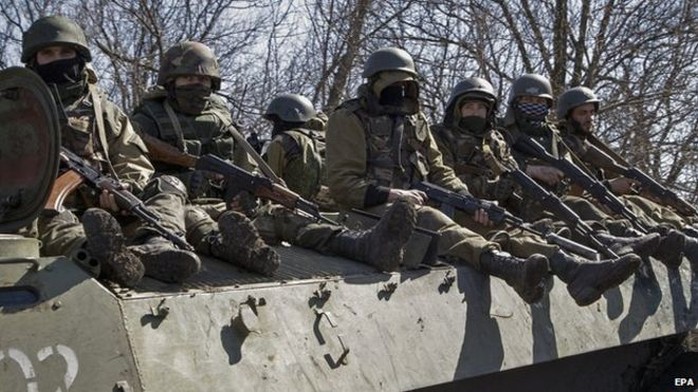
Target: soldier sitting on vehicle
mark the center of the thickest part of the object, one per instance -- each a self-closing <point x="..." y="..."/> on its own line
<point x="577" y="108"/>
<point x="379" y="145"/>
<point x="184" y="112"/>
<point x="296" y="152"/>
<point x="530" y="101"/>
<point x="97" y="130"/>
<point x="471" y="145"/>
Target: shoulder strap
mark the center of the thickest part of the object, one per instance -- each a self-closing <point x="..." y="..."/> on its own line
<point x="176" y="125"/>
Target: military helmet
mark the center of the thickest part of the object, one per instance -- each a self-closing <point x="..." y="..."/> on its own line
<point x="389" y="59"/>
<point x="54" y="30"/>
<point x="291" y="108"/>
<point x="531" y="85"/>
<point x="476" y="88"/>
<point x="189" y="58"/>
<point x="574" y="97"/>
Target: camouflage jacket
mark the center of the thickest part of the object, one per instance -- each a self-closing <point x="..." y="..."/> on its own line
<point x="370" y="153"/>
<point x="481" y="162"/>
<point x="209" y="132"/>
<point x="296" y="156"/>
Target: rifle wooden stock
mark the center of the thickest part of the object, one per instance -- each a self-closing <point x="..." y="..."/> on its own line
<point x="161" y="151"/>
<point x="64" y="185"/>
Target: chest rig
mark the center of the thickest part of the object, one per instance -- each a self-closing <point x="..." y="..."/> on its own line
<point x="396" y="147"/>
<point x="205" y="133"/>
<point x="481" y="162"/>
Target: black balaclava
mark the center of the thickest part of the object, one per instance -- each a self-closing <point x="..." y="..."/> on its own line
<point x="189" y="99"/>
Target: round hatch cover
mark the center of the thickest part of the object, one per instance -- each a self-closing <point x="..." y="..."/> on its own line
<point x="29" y="145"/>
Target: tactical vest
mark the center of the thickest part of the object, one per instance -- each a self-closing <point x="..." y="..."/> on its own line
<point x="552" y="142"/>
<point x="480" y="162"/>
<point x="304" y="153"/>
<point x="396" y="147"/>
<point x="205" y="133"/>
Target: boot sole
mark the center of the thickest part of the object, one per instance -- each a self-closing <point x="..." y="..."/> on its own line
<point x="536" y="271"/>
<point x="244" y="241"/>
<point x="107" y="244"/>
<point x="399" y="222"/>
<point x="171" y="266"/>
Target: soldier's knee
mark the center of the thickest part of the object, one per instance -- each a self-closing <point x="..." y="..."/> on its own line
<point x="168" y="185"/>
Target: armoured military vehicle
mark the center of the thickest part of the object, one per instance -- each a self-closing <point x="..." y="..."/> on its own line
<point x="319" y="324"/>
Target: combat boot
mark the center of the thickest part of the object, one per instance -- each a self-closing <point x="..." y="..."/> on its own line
<point x="383" y="245"/>
<point x="165" y="262"/>
<point x="239" y="243"/>
<point x="587" y="279"/>
<point x="670" y="248"/>
<point x="526" y="276"/>
<point x="107" y="244"/>
<point x="644" y="246"/>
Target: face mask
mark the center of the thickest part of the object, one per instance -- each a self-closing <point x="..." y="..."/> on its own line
<point x="61" y="71"/>
<point x="473" y="124"/>
<point x="533" y="111"/>
<point x="192" y="99"/>
<point x="393" y="95"/>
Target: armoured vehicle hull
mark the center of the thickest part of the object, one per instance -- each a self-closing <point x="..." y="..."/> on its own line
<point x="320" y="324"/>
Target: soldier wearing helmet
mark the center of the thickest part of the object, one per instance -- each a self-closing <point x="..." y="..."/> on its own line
<point x="94" y="128"/>
<point x="577" y="109"/>
<point x="182" y="112"/>
<point x="379" y="144"/>
<point x="296" y="152"/>
<point x="527" y="117"/>
<point x="481" y="158"/>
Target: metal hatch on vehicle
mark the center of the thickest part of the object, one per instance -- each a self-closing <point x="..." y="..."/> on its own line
<point x="29" y="145"/>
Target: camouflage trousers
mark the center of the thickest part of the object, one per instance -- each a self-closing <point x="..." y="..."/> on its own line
<point x="63" y="234"/>
<point x="456" y="241"/>
<point x="511" y="239"/>
<point x="653" y="214"/>
<point x="274" y="223"/>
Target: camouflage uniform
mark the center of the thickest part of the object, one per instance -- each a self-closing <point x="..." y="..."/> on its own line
<point x="375" y="145"/>
<point x="295" y="152"/>
<point x="482" y="159"/>
<point x="97" y="130"/>
<point x="207" y="130"/>
<point x="677" y="230"/>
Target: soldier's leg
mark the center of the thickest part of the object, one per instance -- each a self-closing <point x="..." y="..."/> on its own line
<point x="381" y="246"/>
<point x="166" y="196"/>
<point x="99" y="245"/>
<point x="233" y="238"/>
<point x="586" y="279"/>
<point x="457" y="242"/>
<point x="656" y="212"/>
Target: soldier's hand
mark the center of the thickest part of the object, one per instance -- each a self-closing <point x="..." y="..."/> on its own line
<point x="482" y="218"/>
<point x="411" y="195"/>
<point x="108" y="202"/>
<point x="622" y="185"/>
<point x="547" y="174"/>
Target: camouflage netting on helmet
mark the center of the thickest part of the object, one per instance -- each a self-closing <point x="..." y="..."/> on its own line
<point x="189" y="58"/>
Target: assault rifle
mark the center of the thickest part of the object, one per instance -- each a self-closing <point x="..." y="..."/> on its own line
<point x="257" y="185"/>
<point x="81" y="171"/>
<point x="597" y="189"/>
<point x="450" y="200"/>
<point x="557" y="207"/>
<point x="617" y="164"/>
